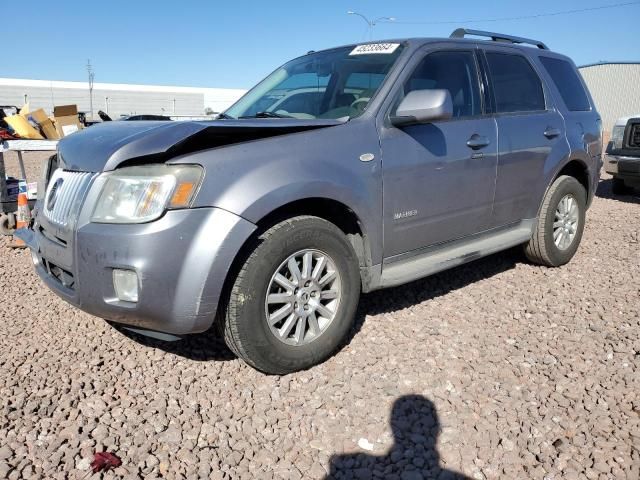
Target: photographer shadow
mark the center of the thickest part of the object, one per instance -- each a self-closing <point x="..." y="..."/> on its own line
<point x="414" y="454"/>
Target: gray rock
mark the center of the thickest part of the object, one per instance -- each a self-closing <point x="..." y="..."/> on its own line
<point x="5" y="452"/>
<point x="411" y="475"/>
<point x="508" y="359"/>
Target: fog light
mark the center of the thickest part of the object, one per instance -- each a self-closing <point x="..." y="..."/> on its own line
<point x="125" y="283"/>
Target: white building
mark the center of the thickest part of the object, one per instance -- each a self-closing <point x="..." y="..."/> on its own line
<point x="117" y="99"/>
<point x="615" y="87"/>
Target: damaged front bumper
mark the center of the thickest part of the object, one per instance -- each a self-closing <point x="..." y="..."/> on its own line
<point x="181" y="261"/>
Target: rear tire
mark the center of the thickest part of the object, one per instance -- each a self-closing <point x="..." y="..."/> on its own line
<point x="618" y="187"/>
<point x="560" y="225"/>
<point x="268" y="283"/>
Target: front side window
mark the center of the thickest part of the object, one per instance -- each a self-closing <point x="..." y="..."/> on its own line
<point x="332" y="84"/>
<point x="516" y="85"/>
<point x="566" y="78"/>
<point x="453" y="71"/>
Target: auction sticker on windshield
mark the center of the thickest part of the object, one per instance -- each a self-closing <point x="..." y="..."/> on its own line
<point x="375" y="48"/>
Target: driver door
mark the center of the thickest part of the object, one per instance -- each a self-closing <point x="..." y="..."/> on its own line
<point x="439" y="178"/>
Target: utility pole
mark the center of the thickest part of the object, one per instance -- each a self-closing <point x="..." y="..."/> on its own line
<point x="91" y="76"/>
<point x="52" y="102"/>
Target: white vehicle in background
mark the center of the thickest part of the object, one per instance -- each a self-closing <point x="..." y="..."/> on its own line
<point x="623" y="155"/>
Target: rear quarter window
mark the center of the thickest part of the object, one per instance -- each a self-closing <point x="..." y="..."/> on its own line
<point x="566" y="78"/>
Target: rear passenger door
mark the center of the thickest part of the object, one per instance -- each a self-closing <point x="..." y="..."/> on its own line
<point x="530" y="131"/>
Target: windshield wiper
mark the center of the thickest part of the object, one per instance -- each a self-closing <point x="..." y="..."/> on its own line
<point x="267" y="115"/>
<point x="224" y="116"/>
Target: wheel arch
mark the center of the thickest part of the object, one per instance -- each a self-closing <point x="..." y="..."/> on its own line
<point x="577" y="169"/>
<point x="331" y="210"/>
<point x="574" y="167"/>
<point x="328" y="209"/>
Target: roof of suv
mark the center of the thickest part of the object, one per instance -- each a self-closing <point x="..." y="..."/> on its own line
<point x="420" y="41"/>
<point x="460" y="36"/>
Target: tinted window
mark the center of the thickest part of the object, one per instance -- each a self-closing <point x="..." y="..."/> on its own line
<point x="516" y="85"/>
<point x="453" y="71"/>
<point x="305" y="80"/>
<point x="364" y="81"/>
<point x="569" y="85"/>
<point x="301" y="102"/>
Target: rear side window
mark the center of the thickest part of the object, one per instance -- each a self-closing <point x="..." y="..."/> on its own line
<point x="516" y="85"/>
<point x="569" y="85"/>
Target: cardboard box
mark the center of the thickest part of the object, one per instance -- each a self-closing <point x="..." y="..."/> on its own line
<point x="45" y="124"/>
<point x="49" y="129"/>
<point x="66" y="120"/>
<point x="37" y="115"/>
<point x="65" y="110"/>
<point x="22" y="127"/>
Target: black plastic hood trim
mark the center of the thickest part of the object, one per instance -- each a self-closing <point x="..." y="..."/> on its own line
<point x="106" y="146"/>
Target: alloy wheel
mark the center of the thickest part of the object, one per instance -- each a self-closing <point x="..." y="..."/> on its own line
<point x="303" y="297"/>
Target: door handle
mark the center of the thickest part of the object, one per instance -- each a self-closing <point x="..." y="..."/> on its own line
<point x="551" y="132"/>
<point x="476" y="142"/>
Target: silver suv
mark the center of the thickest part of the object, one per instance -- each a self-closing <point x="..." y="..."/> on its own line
<point x="345" y="171"/>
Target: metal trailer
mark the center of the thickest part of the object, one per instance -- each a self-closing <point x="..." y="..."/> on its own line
<point x="8" y="205"/>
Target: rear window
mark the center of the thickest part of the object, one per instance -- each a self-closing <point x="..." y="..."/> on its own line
<point x="516" y="85"/>
<point x="569" y="85"/>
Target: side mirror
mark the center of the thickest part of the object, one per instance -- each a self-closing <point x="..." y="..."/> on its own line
<point x="423" y="106"/>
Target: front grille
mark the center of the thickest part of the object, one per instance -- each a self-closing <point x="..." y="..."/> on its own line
<point x="64" y="192"/>
<point x="634" y="138"/>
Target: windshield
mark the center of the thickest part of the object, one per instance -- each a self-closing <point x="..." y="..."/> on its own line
<point x="332" y="84"/>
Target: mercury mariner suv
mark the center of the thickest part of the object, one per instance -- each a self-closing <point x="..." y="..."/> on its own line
<point x="345" y="171"/>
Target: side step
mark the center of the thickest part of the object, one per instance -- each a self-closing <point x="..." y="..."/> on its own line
<point x="437" y="259"/>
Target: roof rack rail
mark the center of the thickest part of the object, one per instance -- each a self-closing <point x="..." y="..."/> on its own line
<point x="497" y="37"/>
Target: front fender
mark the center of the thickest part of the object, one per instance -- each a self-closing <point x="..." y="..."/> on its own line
<point x="255" y="178"/>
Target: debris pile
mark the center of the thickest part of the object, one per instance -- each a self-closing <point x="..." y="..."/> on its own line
<point x="37" y="125"/>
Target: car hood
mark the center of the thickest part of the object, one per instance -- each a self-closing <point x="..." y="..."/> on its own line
<point x="109" y="145"/>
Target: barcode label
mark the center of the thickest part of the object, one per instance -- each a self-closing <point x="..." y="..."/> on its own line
<point x="375" y="48"/>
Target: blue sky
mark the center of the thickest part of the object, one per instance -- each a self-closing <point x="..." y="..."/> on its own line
<point x="210" y="43"/>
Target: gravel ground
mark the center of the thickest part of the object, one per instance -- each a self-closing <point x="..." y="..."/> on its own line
<point x="498" y="369"/>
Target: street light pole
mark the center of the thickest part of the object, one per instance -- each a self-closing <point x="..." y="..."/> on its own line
<point x="371" y="23"/>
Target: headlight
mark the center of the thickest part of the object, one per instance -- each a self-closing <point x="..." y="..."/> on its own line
<point x="142" y="194"/>
<point x="617" y="137"/>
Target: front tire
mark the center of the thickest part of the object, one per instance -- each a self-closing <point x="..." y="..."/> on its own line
<point x="294" y="299"/>
<point x="560" y="224"/>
